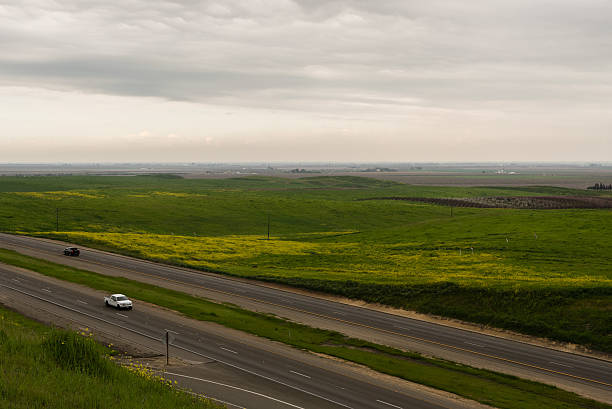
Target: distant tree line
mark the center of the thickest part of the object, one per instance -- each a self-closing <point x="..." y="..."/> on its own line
<point x="600" y="186"/>
<point x="303" y="171"/>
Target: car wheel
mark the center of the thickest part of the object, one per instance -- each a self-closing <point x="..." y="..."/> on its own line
<point x="106" y="303"/>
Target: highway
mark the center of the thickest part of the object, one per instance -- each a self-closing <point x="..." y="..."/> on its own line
<point x="281" y="381"/>
<point x="580" y="371"/>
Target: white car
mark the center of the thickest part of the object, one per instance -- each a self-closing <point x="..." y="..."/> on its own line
<point x="118" y="301"/>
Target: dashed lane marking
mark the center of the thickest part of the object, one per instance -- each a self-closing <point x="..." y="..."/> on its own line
<point x="557" y="363"/>
<point x="300" y="374"/>
<point x="388" y="404"/>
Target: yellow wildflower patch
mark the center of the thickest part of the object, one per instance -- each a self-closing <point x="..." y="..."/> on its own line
<point x="253" y="255"/>
<point x="169" y="194"/>
<point x="58" y="195"/>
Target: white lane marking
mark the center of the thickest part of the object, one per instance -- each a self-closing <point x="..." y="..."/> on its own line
<point x="237" y="388"/>
<point x="45" y="289"/>
<point x="404" y="328"/>
<point x="338" y="313"/>
<point x="82" y="302"/>
<point x="476" y="345"/>
<point x="210" y="397"/>
<point x="123" y="315"/>
<point x="228" y="350"/>
<point x="557" y="363"/>
<point x="15" y="280"/>
<point x="301" y="374"/>
<point x="217" y="400"/>
<point x="387" y="403"/>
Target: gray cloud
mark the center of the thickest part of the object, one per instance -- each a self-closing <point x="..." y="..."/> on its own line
<point x="440" y="52"/>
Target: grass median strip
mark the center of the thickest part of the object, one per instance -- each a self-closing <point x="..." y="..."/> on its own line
<point x="487" y="387"/>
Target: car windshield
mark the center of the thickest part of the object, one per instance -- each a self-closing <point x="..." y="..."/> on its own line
<point x="121" y="298"/>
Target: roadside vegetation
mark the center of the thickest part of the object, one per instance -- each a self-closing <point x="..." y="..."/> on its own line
<point x="41" y="367"/>
<point x="499" y="390"/>
<point x="541" y="272"/>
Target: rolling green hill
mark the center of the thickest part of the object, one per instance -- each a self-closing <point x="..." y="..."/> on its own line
<point x="541" y="272"/>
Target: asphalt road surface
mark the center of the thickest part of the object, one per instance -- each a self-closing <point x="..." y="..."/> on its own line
<point x="249" y="376"/>
<point x="581" y="371"/>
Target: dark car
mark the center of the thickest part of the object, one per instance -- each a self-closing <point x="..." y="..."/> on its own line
<point x="71" y="251"/>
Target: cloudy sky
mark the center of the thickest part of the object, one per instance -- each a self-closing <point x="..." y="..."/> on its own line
<point x="305" y="80"/>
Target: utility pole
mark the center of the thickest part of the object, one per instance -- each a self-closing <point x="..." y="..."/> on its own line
<point x="268" y="227"/>
<point x="167" y="348"/>
<point x="57" y="219"/>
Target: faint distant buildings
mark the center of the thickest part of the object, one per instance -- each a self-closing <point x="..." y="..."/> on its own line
<point x="505" y="172"/>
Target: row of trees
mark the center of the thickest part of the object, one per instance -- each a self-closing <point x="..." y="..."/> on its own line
<point x="600" y="186"/>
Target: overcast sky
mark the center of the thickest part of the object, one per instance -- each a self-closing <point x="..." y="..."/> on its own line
<point x="305" y="80"/>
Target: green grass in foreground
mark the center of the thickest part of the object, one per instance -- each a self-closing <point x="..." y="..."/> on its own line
<point x="54" y="369"/>
<point x="541" y="272"/>
<point x="487" y="387"/>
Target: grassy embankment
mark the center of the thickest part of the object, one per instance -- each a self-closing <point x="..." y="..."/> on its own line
<point x="49" y="368"/>
<point x="487" y="387"/>
<point x="541" y="272"/>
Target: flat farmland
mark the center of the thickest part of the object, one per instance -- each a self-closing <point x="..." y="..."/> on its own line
<point x="544" y="272"/>
<point x="577" y="177"/>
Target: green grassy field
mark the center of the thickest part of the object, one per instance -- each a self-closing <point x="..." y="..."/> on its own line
<point x="53" y="369"/>
<point x="541" y="272"/>
<point x="491" y="388"/>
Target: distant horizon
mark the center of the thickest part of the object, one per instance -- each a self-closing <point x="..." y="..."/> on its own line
<point x="592" y="163"/>
<point x="587" y="162"/>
